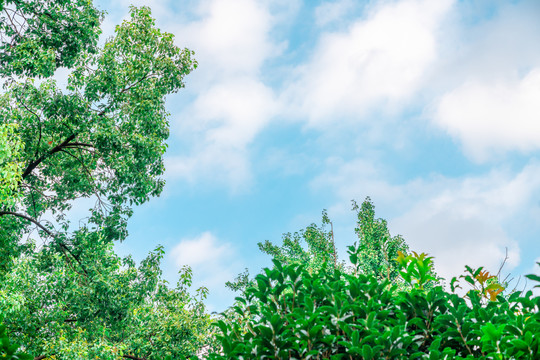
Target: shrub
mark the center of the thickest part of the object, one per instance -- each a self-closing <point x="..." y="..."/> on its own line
<point x="293" y="314"/>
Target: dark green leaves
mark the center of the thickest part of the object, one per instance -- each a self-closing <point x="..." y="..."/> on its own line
<point x="333" y="315"/>
<point x="105" y="137"/>
<point x="39" y="36"/>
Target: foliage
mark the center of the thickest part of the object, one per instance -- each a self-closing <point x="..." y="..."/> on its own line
<point x="9" y="177"/>
<point x="417" y="269"/>
<point x="10" y="166"/>
<point x="484" y="285"/>
<point x="376" y="249"/>
<point x="8" y="350"/>
<point x="104" y="307"/>
<point x="292" y="313"/>
<point x="313" y="247"/>
<point x="390" y="306"/>
<point x="39" y="36"/>
<point x="102" y="137"/>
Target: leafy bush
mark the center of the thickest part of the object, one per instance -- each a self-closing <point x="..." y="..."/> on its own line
<point x="293" y="314"/>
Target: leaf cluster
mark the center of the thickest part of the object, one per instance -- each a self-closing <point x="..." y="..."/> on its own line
<point x="104" y="307"/>
<point x="292" y="313"/>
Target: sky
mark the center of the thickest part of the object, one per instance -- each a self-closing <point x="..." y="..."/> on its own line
<point x="431" y="108"/>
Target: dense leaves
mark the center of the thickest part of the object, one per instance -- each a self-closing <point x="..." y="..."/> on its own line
<point x="292" y="313"/>
<point x="313" y="247"/>
<point x="103" y="138"/>
<point x="376" y="249"/>
<point x="39" y="36"/>
<point x="10" y="166"/>
<point x="104" y="307"/>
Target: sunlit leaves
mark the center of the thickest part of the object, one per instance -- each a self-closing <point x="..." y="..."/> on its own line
<point x="10" y="164"/>
<point x="376" y="249"/>
<point x="416" y="270"/>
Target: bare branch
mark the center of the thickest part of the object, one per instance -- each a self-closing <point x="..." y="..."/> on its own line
<point x="503" y="262"/>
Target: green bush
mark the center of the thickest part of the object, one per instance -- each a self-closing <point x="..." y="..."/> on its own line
<point x="293" y="314"/>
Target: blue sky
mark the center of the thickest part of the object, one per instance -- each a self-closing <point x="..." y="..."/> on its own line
<point x="431" y="108"/>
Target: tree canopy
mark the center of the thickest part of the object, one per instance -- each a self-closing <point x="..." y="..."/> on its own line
<point x="64" y="292"/>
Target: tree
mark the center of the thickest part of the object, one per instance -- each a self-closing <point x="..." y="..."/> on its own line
<point x="313" y="246"/>
<point x="374" y="254"/>
<point x="102" y="138"/>
<point x="376" y="250"/>
<point x="111" y="310"/>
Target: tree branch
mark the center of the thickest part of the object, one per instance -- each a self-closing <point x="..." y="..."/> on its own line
<point x="132" y="357"/>
<point x="37" y="223"/>
<point x="2" y="213"/>
<point x="55" y="149"/>
<point x="78" y="144"/>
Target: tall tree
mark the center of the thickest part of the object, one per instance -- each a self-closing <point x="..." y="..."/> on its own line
<point x="103" y="137"/>
<point x="313" y="247"/>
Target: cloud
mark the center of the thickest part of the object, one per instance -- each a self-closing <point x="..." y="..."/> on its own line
<point x="460" y="221"/>
<point x="213" y="263"/>
<point x="492" y="117"/>
<point x="228" y="117"/>
<point x="232" y="37"/>
<point x="231" y="103"/>
<point x="201" y="250"/>
<point x="380" y="60"/>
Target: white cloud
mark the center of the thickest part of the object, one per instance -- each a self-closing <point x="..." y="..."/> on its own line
<point x="232" y="37"/>
<point x="213" y="263"/>
<point x="241" y="109"/>
<point x="231" y="103"/>
<point x="479" y="43"/>
<point x="379" y="60"/>
<point x="204" y="249"/>
<point x="459" y="221"/>
<point x="492" y="117"/>
<point x="228" y="117"/>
